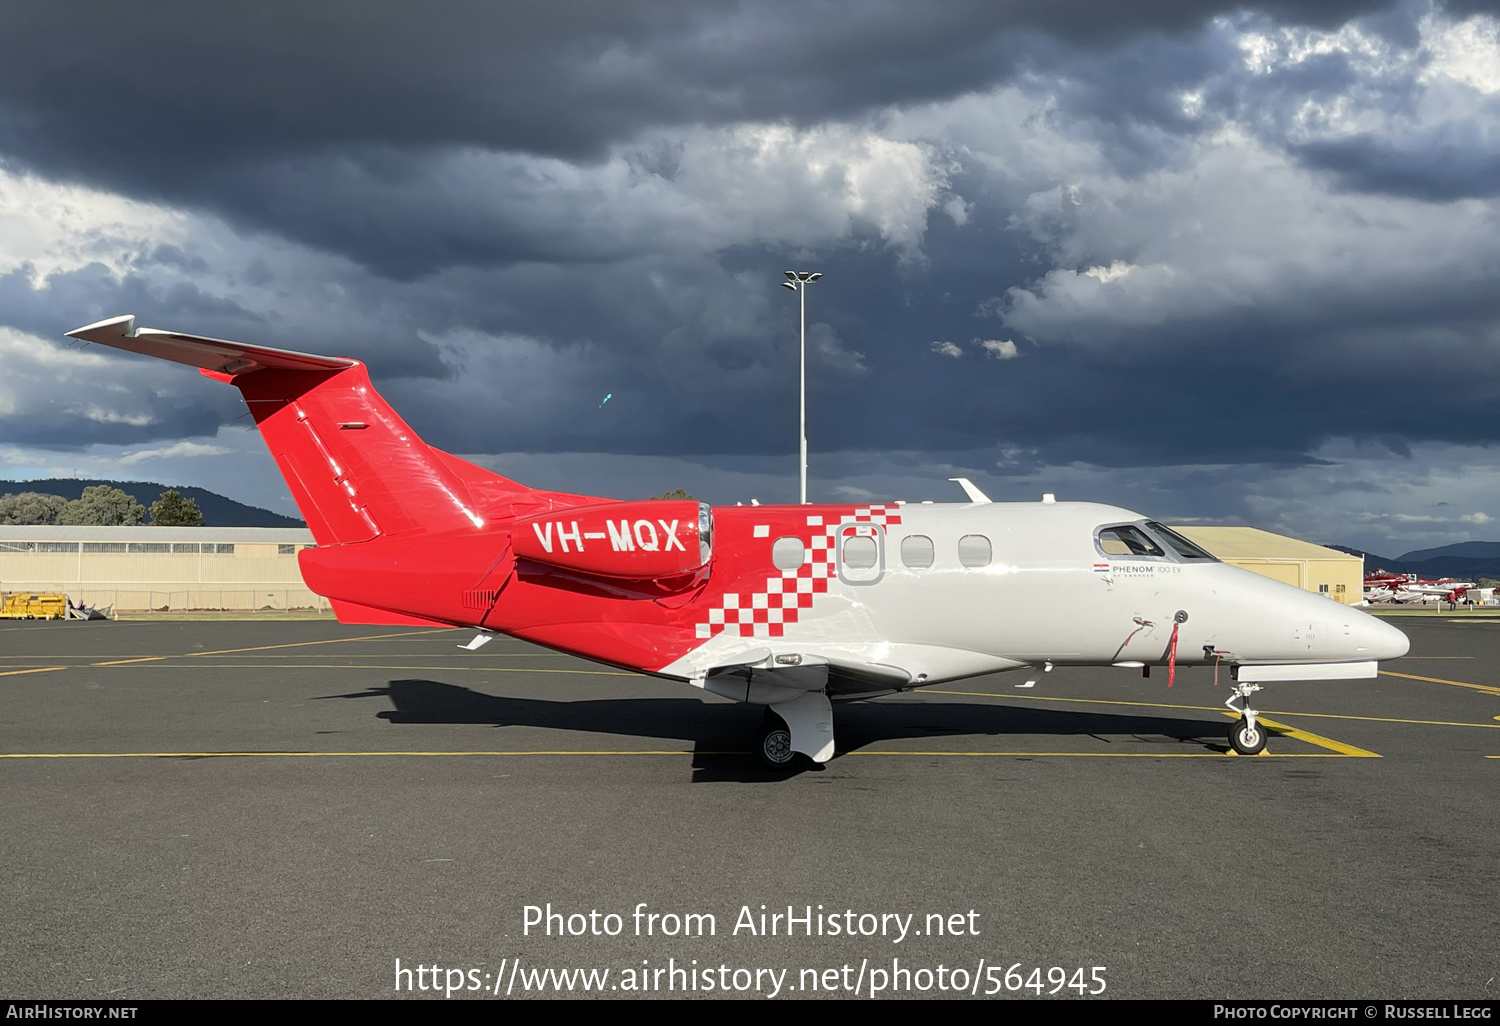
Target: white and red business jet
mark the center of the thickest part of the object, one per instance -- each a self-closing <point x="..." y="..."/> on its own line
<point x="1385" y="586"/>
<point x="789" y="607"/>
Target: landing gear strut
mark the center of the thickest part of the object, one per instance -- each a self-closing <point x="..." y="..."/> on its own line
<point x="1247" y="736"/>
<point x="801" y="728"/>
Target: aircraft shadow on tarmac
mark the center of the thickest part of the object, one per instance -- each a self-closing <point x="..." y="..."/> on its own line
<point x="720" y="734"/>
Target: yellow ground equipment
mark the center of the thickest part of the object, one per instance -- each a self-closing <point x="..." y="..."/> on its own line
<point x="21" y="605"/>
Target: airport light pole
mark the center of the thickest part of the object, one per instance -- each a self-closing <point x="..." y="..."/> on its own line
<point x="798" y="281"/>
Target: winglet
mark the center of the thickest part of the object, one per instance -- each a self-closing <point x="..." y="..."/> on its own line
<point x="210" y="354"/>
<point x="977" y="497"/>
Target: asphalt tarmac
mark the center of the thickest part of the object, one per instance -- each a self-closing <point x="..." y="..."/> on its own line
<point x="285" y="809"/>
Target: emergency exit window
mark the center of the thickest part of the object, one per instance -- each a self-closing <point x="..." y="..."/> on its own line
<point x="860" y="553"/>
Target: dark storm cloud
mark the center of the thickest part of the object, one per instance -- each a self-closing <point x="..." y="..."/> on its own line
<point x="92" y="293"/>
<point x="1262" y="383"/>
<point x="321" y="122"/>
<point x="1437" y="166"/>
<point x="563" y="78"/>
<point x="509" y="216"/>
<point x="1435" y="142"/>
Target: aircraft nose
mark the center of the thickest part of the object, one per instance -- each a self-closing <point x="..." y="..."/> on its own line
<point x="1380" y="640"/>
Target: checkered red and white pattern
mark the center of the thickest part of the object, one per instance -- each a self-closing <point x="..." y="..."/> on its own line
<point x="765" y="613"/>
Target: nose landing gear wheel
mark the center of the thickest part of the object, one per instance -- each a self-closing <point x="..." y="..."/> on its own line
<point x="773" y="744"/>
<point x="1247" y="739"/>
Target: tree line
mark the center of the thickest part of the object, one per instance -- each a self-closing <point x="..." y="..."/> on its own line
<point x="99" y="506"/>
<point x="105" y="506"/>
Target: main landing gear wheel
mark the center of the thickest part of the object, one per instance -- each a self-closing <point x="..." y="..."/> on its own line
<point x="1247" y="738"/>
<point x="773" y="744"/>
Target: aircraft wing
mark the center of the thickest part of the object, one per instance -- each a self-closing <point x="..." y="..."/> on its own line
<point x="841" y="674"/>
<point x="214" y="355"/>
<point x="845" y="675"/>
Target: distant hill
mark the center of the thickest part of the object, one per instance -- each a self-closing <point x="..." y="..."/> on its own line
<point x="1463" y="560"/>
<point x="1371" y="560"/>
<point x="1461" y="550"/>
<point x="217" y="510"/>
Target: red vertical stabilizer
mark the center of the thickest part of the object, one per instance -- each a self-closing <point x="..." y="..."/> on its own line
<point x="356" y="469"/>
<point x="406" y="533"/>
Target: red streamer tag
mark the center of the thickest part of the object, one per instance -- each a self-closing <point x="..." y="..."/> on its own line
<point x="1172" y="656"/>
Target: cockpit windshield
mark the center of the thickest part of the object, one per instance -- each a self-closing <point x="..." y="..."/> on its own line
<point x="1184" y="548"/>
<point x="1127" y="540"/>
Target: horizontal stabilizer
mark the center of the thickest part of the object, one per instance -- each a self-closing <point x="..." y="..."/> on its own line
<point x="211" y="354"/>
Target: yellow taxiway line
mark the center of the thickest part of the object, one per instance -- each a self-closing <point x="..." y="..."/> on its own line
<point x="35" y="669"/>
<point x="1120" y="755"/>
<point x="1319" y="740"/>
<point x="674" y="751"/>
<point x="263" y="648"/>
<point x="1314" y="739"/>
<point x="1220" y="709"/>
<point x="1438" y="680"/>
<point x="331" y="755"/>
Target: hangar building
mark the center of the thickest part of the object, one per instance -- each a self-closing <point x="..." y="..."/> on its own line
<point x="1311" y="567"/>
<point x="161" y="568"/>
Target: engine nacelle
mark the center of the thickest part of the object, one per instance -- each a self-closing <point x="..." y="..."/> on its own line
<point x="638" y="541"/>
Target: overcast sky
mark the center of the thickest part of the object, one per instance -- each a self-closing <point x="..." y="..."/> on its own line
<point x="1218" y="263"/>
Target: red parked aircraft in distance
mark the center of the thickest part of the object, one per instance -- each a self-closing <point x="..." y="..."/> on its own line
<point x="1385" y="586"/>
<point x="788" y="607"/>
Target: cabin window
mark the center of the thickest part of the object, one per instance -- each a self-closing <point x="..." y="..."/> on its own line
<point x="788" y="553"/>
<point x="1127" y="540"/>
<point x="974" y="551"/>
<point x="860" y="552"/>
<point x="917" y="551"/>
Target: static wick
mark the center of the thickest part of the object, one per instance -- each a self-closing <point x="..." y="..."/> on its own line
<point x="606" y="399"/>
